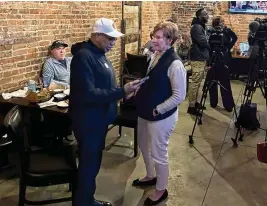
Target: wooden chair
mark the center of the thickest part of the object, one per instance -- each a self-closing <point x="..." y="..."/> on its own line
<point x="5" y="141"/>
<point x="38" y="167"/>
<point x="127" y="118"/>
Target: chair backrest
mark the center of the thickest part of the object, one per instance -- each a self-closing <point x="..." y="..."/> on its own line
<point x="13" y="121"/>
<point x="16" y="130"/>
<point x="136" y="64"/>
<point x="4" y="108"/>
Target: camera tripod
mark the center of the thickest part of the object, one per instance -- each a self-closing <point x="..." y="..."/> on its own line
<point x="215" y="60"/>
<point x="252" y="83"/>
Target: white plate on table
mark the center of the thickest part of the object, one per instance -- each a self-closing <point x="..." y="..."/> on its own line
<point x="67" y="92"/>
<point x="60" y="96"/>
<point x="62" y="104"/>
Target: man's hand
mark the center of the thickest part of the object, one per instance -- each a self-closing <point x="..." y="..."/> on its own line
<point x="129" y="96"/>
<point x="132" y="86"/>
<point x="52" y="86"/>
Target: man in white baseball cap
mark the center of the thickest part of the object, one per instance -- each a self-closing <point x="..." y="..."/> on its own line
<point x="93" y="104"/>
<point x="106" y="33"/>
<point x="106" y="26"/>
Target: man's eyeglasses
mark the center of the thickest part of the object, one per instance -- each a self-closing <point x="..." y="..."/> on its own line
<point x="109" y="37"/>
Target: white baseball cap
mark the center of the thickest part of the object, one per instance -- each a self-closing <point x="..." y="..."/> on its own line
<point x="106" y="26"/>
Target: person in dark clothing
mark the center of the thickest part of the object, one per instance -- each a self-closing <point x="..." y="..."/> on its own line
<point x="221" y="71"/>
<point x="93" y="104"/>
<point x="199" y="54"/>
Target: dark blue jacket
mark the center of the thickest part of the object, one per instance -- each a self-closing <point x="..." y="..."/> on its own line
<point x="93" y="90"/>
<point x="156" y="89"/>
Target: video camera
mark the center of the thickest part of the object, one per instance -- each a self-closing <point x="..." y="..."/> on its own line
<point x="258" y="29"/>
<point x="216" y="37"/>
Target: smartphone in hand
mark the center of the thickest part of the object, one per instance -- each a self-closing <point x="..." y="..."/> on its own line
<point x="144" y="79"/>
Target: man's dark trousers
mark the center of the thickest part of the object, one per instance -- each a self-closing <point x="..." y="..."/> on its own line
<point x="90" y="158"/>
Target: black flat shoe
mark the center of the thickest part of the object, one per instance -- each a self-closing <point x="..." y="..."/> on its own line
<point x="138" y="183"/>
<point x="148" y="201"/>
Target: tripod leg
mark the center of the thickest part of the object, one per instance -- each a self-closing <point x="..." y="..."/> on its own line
<point x="235" y="139"/>
<point x="202" y="103"/>
<point x="258" y="84"/>
<point x="208" y="83"/>
<point x="191" y="141"/>
<point x="200" y="110"/>
<point x="250" y="88"/>
<point x="228" y="100"/>
<point x="241" y="134"/>
<point x="198" y="118"/>
<point x="239" y="131"/>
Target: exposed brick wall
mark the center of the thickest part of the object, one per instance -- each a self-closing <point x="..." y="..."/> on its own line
<point x="184" y="11"/>
<point x="27" y="28"/>
<point x="153" y="13"/>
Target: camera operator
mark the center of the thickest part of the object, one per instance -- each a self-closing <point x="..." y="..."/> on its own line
<point x="257" y="37"/>
<point x="221" y="71"/>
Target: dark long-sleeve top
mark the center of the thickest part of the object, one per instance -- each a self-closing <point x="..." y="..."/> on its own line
<point x="93" y="89"/>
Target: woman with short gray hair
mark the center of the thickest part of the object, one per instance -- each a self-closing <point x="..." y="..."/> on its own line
<point x="157" y="108"/>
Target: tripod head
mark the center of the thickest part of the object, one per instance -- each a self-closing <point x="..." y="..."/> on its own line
<point x="217" y="54"/>
<point x="216" y="42"/>
<point x="216" y="39"/>
<point x="257" y="37"/>
<point x="258" y="30"/>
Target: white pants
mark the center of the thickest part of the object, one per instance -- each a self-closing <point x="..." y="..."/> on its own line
<point x="153" y="140"/>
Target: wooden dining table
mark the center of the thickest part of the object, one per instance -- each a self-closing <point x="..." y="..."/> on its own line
<point x="126" y="117"/>
<point x="32" y="114"/>
<point x="20" y="101"/>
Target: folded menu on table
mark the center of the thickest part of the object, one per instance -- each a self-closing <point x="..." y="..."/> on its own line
<point x="48" y="103"/>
